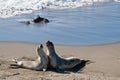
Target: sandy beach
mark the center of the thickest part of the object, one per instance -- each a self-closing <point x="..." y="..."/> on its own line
<point x="105" y="62"/>
<point x="76" y="28"/>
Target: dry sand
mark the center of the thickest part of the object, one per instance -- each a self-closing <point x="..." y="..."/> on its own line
<point x="105" y="66"/>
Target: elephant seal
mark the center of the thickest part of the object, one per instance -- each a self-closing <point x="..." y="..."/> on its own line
<point x="39" y="64"/>
<point x="39" y="19"/>
<point x="58" y="62"/>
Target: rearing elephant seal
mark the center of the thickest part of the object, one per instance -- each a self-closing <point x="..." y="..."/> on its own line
<point x="58" y="62"/>
<point x="39" y="64"/>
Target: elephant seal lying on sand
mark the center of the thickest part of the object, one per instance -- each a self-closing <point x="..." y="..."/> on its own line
<point x="39" y="64"/>
<point x="58" y="62"/>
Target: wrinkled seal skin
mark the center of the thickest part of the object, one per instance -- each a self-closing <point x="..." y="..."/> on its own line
<point x="58" y="62"/>
<point x="39" y="64"/>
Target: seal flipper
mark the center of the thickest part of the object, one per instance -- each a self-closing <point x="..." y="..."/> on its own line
<point x="44" y="68"/>
<point x="59" y="70"/>
<point x="47" y="21"/>
<point x="15" y="66"/>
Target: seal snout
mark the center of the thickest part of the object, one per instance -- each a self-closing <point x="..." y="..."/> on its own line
<point x="48" y="43"/>
<point x="41" y="46"/>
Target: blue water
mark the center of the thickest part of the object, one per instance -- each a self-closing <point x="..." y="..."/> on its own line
<point x="90" y="25"/>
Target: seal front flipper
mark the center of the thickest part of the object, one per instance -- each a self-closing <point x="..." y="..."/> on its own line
<point x="59" y="70"/>
<point x="44" y="68"/>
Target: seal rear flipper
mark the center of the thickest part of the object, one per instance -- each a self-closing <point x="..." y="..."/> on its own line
<point x="47" y="21"/>
<point x="14" y="66"/>
<point x="86" y="61"/>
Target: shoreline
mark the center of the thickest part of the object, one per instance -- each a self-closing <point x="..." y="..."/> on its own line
<point x="82" y="45"/>
<point x="106" y="60"/>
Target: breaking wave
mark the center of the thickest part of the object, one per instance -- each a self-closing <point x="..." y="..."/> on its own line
<point x="10" y="8"/>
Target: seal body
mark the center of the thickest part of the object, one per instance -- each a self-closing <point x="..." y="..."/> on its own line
<point x="58" y="62"/>
<point x="39" y="19"/>
<point x="39" y="64"/>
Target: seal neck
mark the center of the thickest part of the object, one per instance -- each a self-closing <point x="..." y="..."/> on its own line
<point x="41" y="54"/>
<point x="51" y="52"/>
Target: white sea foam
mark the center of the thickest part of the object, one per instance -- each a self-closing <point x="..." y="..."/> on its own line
<point x="15" y="7"/>
<point x="117" y="0"/>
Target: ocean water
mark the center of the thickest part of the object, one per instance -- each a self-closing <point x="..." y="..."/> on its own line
<point x="72" y="22"/>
